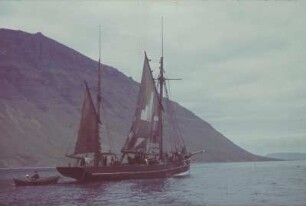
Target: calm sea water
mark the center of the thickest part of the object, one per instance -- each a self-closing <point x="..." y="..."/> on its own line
<point x="260" y="183"/>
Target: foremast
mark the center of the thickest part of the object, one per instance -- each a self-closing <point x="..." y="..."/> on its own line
<point x="99" y="98"/>
<point x="88" y="140"/>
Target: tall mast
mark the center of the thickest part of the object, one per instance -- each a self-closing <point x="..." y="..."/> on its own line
<point x="161" y="89"/>
<point x="99" y="78"/>
<point x="99" y="96"/>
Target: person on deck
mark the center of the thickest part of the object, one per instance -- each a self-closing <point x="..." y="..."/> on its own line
<point x="82" y="163"/>
<point x="88" y="160"/>
<point x="35" y="176"/>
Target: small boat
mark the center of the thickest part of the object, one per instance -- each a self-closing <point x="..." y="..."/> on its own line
<point x="33" y="182"/>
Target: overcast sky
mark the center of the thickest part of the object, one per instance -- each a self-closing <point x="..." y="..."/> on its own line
<point x="242" y="62"/>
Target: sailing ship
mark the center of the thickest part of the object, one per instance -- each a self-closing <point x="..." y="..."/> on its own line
<point x="142" y="155"/>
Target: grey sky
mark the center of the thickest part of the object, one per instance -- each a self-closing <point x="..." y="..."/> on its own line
<point x="242" y="62"/>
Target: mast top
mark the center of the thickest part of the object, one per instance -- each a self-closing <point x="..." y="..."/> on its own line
<point x="99" y="43"/>
<point x="162" y="35"/>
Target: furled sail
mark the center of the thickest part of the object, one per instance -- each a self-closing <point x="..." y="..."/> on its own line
<point x="144" y="134"/>
<point x="88" y="135"/>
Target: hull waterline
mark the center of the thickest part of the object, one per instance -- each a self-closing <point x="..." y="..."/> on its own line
<point x="123" y="172"/>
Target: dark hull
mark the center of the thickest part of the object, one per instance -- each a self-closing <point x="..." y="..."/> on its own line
<point x="124" y="171"/>
<point x="40" y="181"/>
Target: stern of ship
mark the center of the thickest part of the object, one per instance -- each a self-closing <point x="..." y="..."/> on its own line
<point x="77" y="173"/>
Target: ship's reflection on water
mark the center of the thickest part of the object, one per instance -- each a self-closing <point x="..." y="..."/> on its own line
<point x="148" y="189"/>
<point x="116" y="193"/>
<point x="149" y="186"/>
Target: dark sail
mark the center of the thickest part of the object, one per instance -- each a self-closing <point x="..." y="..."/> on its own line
<point x="144" y="135"/>
<point x="88" y="135"/>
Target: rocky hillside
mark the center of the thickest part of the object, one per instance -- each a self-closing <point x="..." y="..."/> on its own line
<point x="41" y="91"/>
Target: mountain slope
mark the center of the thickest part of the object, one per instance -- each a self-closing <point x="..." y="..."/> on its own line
<point x="288" y="156"/>
<point x="41" y="91"/>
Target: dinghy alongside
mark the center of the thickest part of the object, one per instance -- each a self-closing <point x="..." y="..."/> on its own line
<point x="33" y="182"/>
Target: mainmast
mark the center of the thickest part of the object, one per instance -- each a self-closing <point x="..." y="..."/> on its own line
<point x="161" y="89"/>
<point x="99" y="99"/>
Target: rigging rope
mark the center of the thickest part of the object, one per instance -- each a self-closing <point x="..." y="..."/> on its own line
<point x="105" y="123"/>
<point x="178" y="139"/>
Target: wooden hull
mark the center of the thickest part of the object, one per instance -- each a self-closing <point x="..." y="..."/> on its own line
<point x="40" y="181"/>
<point x="125" y="171"/>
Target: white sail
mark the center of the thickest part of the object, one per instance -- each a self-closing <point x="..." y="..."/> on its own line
<point x="145" y="127"/>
